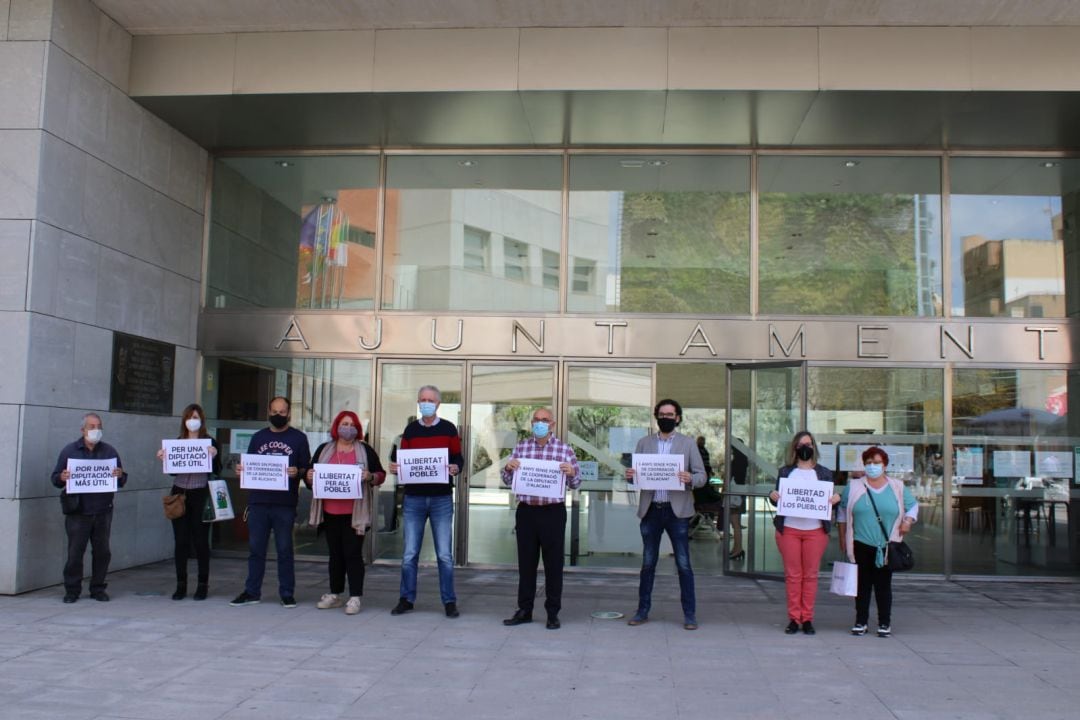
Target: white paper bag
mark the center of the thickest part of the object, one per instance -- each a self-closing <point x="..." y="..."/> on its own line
<point x="219" y="505"/>
<point x="845" y="579"/>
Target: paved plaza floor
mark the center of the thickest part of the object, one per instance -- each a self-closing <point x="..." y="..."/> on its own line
<point x="959" y="650"/>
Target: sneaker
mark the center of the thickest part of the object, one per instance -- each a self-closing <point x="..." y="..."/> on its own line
<point x="245" y="599"/>
<point x="288" y="601"/>
<point x="329" y="600"/>
<point x="403" y="606"/>
<point x="451" y="610"/>
<point x="884" y="631"/>
<point x="353" y="606"/>
<point x="792" y="628"/>
<point x="858" y="629"/>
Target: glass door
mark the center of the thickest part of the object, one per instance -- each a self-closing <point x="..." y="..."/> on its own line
<point x="501" y="402"/>
<point x="766" y="406"/>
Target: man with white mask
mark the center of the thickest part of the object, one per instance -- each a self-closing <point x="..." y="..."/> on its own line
<point x="87" y="516"/>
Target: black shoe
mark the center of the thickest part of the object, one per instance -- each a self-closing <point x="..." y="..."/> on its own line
<point x="403" y="606"/>
<point x="100" y="596"/>
<point x="808" y="628"/>
<point x="181" y="590"/>
<point x="553" y="623"/>
<point x="245" y="599"/>
<point x="451" y="610"/>
<point x="201" y="591"/>
<point x="288" y="601"/>
<point x="792" y="628"/>
<point x="70" y="597"/>
<point x="520" y="618"/>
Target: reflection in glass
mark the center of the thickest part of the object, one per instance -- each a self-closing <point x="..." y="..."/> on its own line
<point x="236" y="393"/>
<point x="609" y="408"/>
<point x="850" y="236"/>
<point x="1009" y="237"/>
<point x="293" y="232"/>
<point x="503" y="400"/>
<point x="472" y="233"/>
<point x="659" y="234"/>
<point x="1014" y="472"/>
<point x="900" y="410"/>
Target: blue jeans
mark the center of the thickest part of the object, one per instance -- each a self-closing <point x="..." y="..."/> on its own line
<point x="657" y="520"/>
<point x="261" y="520"/>
<point x="416" y="510"/>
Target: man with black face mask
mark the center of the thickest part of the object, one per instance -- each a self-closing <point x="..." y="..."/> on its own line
<point x="274" y="510"/>
<point x="668" y="510"/>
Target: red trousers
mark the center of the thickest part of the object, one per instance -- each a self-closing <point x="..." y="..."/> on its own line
<point x="802" y="551"/>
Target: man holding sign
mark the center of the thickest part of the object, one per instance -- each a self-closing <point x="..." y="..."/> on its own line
<point x="663" y="462"/>
<point x="429" y="497"/>
<point x="87" y="513"/>
<point x="274" y="510"/>
<point x="539" y="470"/>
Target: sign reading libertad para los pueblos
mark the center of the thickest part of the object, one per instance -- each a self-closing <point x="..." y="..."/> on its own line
<point x="264" y="472"/>
<point x="91" y="476"/>
<point x="337" y="482"/>
<point x="539" y="478"/>
<point x="802" y="495"/>
<point x="423" y="466"/>
<point x="186" y="456"/>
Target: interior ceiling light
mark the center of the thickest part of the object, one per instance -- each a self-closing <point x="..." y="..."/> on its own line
<point x="632" y="163"/>
<point x="283" y="163"/>
<point x="657" y="163"/>
<point x="468" y="163"/>
<point x="851" y="163"/>
<point x="1050" y="164"/>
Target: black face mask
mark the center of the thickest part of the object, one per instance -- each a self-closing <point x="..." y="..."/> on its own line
<point x="279" y="421"/>
<point x="804" y="452"/>
<point x="666" y="425"/>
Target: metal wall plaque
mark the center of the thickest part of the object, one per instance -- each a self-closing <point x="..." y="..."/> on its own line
<point x="142" y="375"/>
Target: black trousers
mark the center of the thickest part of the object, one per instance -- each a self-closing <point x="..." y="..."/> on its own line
<point x="346" y="554"/>
<point x="189" y="530"/>
<point x="81" y="529"/>
<point x="541" y="529"/>
<point x="872" y="579"/>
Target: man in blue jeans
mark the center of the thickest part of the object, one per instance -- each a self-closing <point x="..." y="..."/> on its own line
<point x="274" y="510"/>
<point x="429" y="501"/>
<point x="668" y="510"/>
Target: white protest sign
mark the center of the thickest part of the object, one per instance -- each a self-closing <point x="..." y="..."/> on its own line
<point x="91" y="476"/>
<point x="186" y="456"/>
<point x="802" y="495"/>
<point x="264" y="472"/>
<point x="337" y="482"/>
<point x="539" y="478"/>
<point x="654" y="471"/>
<point x="423" y="466"/>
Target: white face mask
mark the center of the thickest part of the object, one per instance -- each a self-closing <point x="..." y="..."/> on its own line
<point x="94" y="435"/>
<point x="193" y="424"/>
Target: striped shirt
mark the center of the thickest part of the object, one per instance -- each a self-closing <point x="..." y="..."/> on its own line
<point x="555" y="449"/>
<point x="663" y="447"/>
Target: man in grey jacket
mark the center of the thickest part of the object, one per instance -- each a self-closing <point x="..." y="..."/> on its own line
<point x="668" y="510"/>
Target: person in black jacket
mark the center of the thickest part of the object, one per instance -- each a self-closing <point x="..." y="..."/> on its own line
<point x="87" y="516"/>
<point x="189" y="528"/>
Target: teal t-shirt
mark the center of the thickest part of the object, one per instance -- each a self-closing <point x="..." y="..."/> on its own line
<point x="865" y="524"/>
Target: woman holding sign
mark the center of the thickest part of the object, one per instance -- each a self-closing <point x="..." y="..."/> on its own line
<point x="189" y="529"/>
<point x="869" y="505"/>
<point x="802" y="540"/>
<point x="344" y="519"/>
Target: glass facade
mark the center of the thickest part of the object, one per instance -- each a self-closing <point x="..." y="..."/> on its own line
<point x="737" y="238"/>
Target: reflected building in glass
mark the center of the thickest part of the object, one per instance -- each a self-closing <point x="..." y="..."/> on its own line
<point x="840" y="225"/>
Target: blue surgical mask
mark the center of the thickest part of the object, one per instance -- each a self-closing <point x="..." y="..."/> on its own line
<point x="427" y="409"/>
<point x="540" y="429"/>
<point x="874" y="470"/>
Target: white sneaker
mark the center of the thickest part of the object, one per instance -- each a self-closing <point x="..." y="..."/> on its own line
<point x="329" y="600"/>
<point x="353" y="606"/>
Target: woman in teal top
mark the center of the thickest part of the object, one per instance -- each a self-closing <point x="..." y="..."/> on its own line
<point x="864" y="541"/>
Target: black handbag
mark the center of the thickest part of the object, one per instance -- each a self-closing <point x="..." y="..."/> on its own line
<point x="898" y="555"/>
<point x="70" y="504"/>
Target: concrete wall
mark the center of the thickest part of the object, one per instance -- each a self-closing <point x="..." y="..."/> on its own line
<point x="100" y="231"/>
